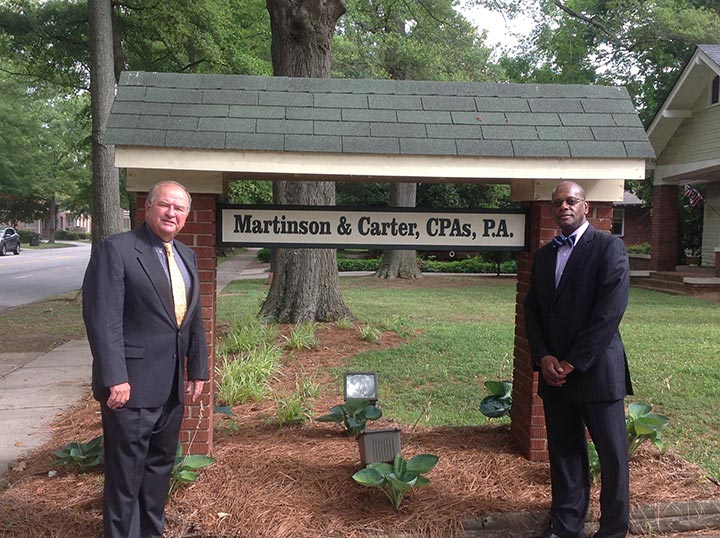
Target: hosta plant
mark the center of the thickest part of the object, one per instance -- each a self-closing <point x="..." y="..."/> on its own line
<point x="499" y="402"/>
<point x="644" y="425"/>
<point x="353" y="416"/>
<point x="82" y="456"/>
<point x="184" y="470"/>
<point x="397" y="479"/>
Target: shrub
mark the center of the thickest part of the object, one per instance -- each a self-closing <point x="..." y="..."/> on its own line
<point x="263" y="255"/>
<point x="29" y="237"/>
<point x="642" y="248"/>
<point x="350" y="264"/>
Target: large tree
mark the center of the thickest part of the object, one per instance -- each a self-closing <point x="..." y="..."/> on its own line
<point x="306" y="285"/>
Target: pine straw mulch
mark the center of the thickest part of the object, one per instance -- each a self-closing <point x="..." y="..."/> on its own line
<point x="296" y="482"/>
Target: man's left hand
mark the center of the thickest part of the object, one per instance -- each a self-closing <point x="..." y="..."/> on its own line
<point x="195" y="388"/>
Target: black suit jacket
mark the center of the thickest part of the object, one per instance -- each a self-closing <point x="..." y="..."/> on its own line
<point x="578" y="322"/>
<point x="130" y="321"/>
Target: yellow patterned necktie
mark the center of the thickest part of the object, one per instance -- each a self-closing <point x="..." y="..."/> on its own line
<point x="178" y="285"/>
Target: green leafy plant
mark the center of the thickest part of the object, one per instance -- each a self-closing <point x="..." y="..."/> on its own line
<point x="353" y="416"/>
<point x="82" y="456"/>
<point x="397" y="324"/>
<point x="641" y="425"/>
<point x="369" y="333"/>
<point x="302" y="337"/>
<point x="397" y="479"/>
<point x="499" y="402"/>
<point x="184" y="470"/>
<point x="644" y="425"/>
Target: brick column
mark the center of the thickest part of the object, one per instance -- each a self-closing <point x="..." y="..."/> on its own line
<point x="717" y="262"/>
<point x="664" y="233"/>
<point x="196" y="433"/>
<point x="528" y="422"/>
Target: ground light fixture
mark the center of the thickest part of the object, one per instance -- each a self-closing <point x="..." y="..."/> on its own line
<point x="362" y="385"/>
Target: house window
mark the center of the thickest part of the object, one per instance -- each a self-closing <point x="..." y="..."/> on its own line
<point x="715" y="91"/>
<point x="618" y="224"/>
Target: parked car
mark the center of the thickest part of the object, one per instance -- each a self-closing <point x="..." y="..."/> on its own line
<point x="9" y="241"/>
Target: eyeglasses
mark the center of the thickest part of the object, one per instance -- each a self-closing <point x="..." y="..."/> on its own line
<point x="569" y="201"/>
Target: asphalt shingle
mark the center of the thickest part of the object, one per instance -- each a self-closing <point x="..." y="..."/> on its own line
<point x="228" y="112"/>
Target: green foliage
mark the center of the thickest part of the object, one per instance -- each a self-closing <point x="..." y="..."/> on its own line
<point x="477" y="264"/>
<point x="499" y="402"/>
<point x="369" y="333"/>
<point x="642" y="248"/>
<point x="302" y="337"/>
<point x="263" y="255"/>
<point x="81" y="456"/>
<point x="345" y="323"/>
<point x="397" y="479"/>
<point x="294" y="408"/>
<point x="185" y="468"/>
<point x="353" y="416"/>
<point x="643" y="425"/>
<point x="252" y="192"/>
<point x="26" y="236"/>
<point x="246" y="334"/>
<point x="248" y="376"/>
<point x="400" y="325"/>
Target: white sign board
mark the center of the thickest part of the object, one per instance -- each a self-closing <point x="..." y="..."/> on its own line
<point x="389" y="228"/>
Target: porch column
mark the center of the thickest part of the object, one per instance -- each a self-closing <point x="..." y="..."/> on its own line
<point x="664" y="233"/>
<point x="527" y="415"/>
<point x="196" y="432"/>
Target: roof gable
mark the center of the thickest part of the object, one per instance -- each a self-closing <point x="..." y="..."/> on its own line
<point x="379" y="117"/>
<point x="699" y="71"/>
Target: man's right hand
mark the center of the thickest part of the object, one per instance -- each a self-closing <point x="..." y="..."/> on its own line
<point x="555" y="375"/>
<point x="119" y="395"/>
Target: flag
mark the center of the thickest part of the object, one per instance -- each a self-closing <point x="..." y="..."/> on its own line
<point x="693" y="196"/>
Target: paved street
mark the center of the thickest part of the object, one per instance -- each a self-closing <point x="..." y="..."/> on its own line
<point x="35" y="274"/>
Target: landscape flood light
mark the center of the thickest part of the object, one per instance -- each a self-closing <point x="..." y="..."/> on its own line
<point x="361" y="385"/>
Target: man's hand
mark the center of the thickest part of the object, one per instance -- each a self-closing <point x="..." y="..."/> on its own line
<point x="195" y="388"/>
<point x="554" y="371"/>
<point x="119" y="395"/>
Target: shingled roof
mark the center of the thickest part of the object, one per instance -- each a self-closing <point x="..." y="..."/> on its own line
<point x="378" y="117"/>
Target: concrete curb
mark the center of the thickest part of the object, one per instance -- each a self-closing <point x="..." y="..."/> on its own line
<point x="651" y="519"/>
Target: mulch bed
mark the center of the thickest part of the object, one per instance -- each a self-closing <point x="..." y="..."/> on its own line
<point x="296" y="481"/>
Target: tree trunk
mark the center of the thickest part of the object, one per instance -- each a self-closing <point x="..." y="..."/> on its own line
<point x="106" y="183"/>
<point x="400" y="263"/>
<point x="52" y="220"/>
<point x="305" y="285"/>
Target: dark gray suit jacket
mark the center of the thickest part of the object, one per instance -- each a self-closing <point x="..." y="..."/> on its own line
<point x="578" y="322"/>
<point x="130" y="321"/>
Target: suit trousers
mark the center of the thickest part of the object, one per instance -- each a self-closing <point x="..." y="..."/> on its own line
<point x="569" y="469"/>
<point x="139" y="450"/>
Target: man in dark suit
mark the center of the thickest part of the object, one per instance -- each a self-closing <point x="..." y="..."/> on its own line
<point x="578" y="294"/>
<point x="143" y="319"/>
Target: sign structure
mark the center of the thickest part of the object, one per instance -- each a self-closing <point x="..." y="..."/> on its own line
<point x="379" y="228"/>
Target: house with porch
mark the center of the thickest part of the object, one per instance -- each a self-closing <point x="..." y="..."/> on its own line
<point x="685" y="134"/>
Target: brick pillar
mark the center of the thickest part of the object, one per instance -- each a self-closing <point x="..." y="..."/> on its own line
<point x="528" y="422"/>
<point x="199" y="233"/>
<point x="664" y="233"/>
<point x="717" y="262"/>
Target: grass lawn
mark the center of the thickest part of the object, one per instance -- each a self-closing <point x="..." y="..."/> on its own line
<point x="465" y="332"/>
